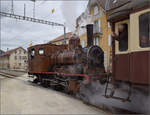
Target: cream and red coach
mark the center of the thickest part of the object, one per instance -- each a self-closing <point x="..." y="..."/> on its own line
<point x="131" y="67"/>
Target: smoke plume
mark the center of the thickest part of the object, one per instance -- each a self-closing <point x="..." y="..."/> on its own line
<point x="69" y="11"/>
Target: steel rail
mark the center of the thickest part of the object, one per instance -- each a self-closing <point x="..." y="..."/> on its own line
<point x="7" y="75"/>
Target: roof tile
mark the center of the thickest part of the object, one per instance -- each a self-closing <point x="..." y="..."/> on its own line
<point x="68" y="35"/>
<point x="10" y="51"/>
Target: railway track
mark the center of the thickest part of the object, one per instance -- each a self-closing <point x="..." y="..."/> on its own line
<point x="11" y="73"/>
<point x="113" y="110"/>
<point x="7" y="75"/>
<point x="116" y="110"/>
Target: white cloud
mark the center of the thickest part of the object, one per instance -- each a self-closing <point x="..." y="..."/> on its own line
<point x="16" y="33"/>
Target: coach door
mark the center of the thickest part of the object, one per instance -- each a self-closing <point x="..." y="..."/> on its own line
<point x="122" y="56"/>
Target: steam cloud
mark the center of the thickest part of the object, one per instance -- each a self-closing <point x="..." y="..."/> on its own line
<point x="94" y="94"/>
<point x="69" y="11"/>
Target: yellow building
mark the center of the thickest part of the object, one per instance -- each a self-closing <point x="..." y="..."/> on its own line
<point x="95" y="14"/>
<point x="60" y="40"/>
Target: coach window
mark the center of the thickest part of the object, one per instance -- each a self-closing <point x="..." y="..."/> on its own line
<point x="41" y="51"/>
<point x="122" y="37"/>
<point x="144" y="30"/>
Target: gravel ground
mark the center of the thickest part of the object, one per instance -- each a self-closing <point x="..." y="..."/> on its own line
<point x="19" y="96"/>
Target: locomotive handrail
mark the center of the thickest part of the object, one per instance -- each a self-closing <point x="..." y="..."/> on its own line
<point x="68" y="75"/>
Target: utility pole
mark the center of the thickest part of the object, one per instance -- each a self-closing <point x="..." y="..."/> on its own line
<point x="24" y="10"/>
<point x="64" y="34"/>
<point x="12" y="6"/>
<point x="33" y="8"/>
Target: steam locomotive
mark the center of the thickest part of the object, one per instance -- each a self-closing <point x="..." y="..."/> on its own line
<point x="81" y="71"/>
<point x="67" y="65"/>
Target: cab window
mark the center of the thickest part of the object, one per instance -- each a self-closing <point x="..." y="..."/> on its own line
<point x="41" y="51"/>
<point x="32" y="53"/>
<point x="144" y="30"/>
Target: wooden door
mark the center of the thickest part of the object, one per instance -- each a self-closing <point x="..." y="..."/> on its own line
<point x="122" y="67"/>
<point x="140" y="67"/>
<point x="122" y="52"/>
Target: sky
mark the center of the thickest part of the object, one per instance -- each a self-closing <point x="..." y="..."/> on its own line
<point x="16" y="33"/>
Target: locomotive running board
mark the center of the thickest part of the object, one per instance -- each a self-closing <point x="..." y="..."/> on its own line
<point x="87" y="78"/>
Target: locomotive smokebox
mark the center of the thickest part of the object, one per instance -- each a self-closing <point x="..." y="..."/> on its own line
<point x="89" y="28"/>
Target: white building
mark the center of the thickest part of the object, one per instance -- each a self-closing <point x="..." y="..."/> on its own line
<point x="14" y="59"/>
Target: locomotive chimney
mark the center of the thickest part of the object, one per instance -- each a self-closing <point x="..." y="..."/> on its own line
<point x="89" y="28"/>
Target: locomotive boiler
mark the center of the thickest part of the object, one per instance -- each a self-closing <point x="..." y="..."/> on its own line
<point x="79" y="60"/>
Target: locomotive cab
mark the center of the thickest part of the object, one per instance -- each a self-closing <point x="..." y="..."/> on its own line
<point x="39" y="57"/>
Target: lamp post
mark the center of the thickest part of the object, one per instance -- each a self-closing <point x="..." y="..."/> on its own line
<point x="64" y="33"/>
